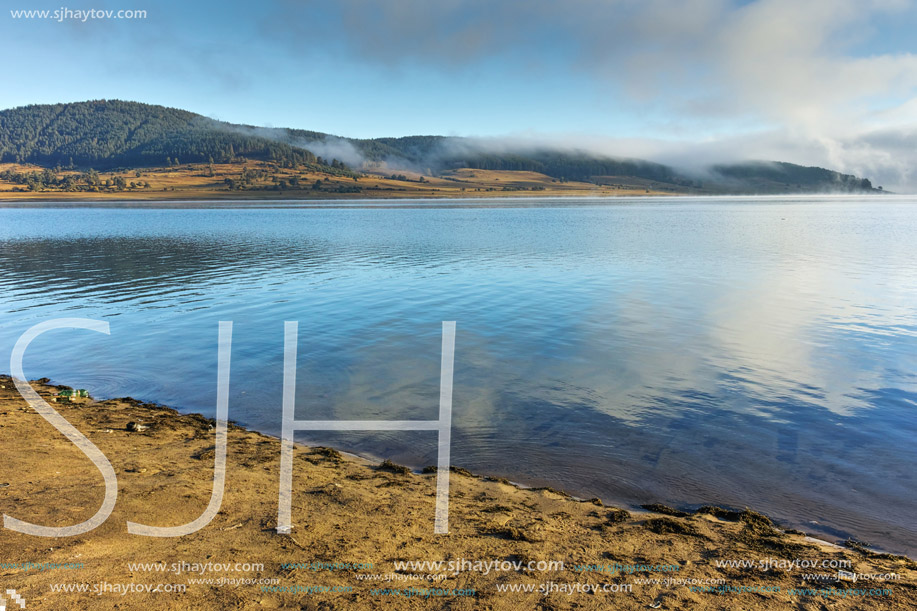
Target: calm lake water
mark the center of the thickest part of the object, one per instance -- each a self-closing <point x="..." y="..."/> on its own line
<point x="744" y="352"/>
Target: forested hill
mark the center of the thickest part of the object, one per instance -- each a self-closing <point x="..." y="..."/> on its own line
<point x="105" y="134"/>
<point x="756" y="176"/>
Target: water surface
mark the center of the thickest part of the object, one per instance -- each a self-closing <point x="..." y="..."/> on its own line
<point x="746" y="352"/>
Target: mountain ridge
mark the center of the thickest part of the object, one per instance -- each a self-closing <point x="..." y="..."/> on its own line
<point x="108" y="134"/>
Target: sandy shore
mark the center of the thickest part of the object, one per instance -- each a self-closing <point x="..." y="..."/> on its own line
<point x="354" y="521"/>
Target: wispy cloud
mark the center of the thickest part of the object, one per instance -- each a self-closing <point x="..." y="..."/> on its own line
<point x="800" y="72"/>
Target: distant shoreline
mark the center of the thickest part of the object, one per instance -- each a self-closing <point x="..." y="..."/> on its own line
<point x="229" y="198"/>
<point x="256" y="196"/>
<point x="260" y="181"/>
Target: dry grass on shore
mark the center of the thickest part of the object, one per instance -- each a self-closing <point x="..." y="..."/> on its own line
<point x="201" y="182"/>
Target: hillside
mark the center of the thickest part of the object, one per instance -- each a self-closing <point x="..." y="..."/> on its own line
<point x="113" y="135"/>
<point x="763" y="176"/>
<point x="109" y="134"/>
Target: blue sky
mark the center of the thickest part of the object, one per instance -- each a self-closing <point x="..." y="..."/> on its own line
<point x="825" y="82"/>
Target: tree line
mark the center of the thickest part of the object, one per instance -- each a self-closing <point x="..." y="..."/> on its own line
<point x="110" y="134"/>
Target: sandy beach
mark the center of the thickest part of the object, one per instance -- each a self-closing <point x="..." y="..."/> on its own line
<point x="363" y="533"/>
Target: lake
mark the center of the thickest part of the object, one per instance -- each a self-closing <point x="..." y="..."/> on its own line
<point x="756" y="352"/>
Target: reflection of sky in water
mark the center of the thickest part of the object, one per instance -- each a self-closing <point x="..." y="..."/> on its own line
<point x="752" y="353"/>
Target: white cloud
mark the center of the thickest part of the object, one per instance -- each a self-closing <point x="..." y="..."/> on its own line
<point x="795" y="70"/>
